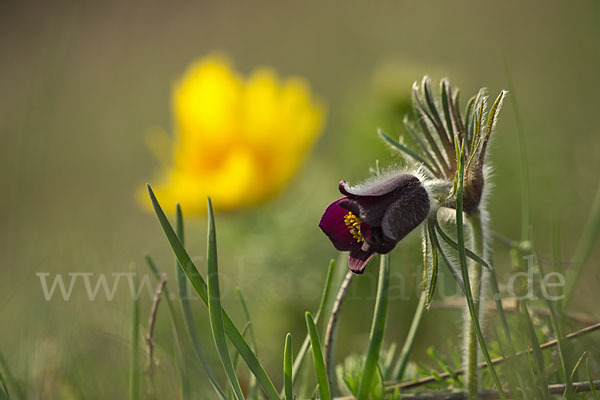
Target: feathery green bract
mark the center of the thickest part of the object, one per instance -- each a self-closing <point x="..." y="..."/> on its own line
<point x="200" y="286"/>
<point x="185" y="306"/>
<point x="463" y="266"/>
<point x="319" y="363"/>
<point x="287" y="368"/>
<point x="399" y="146"/>
<point x="214" y="305"/>
<point x="435" y="242"/>
<point x="417" y="138"/>
<point x="134" y="373"/>
<point x="10" y="379"/>
<point x="434" y="271"/>
<point x="324" y="299"/>
<point x="454" y="245"/>
<point x="377" y="330"/>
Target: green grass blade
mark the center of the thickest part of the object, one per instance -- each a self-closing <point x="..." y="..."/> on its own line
<point x="186" y="308"/>
<point x="400" y="367"/>
<point x="538" y="357"/>
<point x="287" y="368"/>
<point x="583" y="356"/>
<point x="377" y="330"/>
<point x="324" y="300"/>
<point x="180" y="352"/>
<point x="199" y="286"/>
<point x="504" y="322"/>
<point x="591" y="380"/>
<point x="463" y="265"/>
<point x="248" y="319"/>
<point x="524" y="167"/>
<point x="443" y="364"/>
<point x="134" y="364"/>
<point x="4" y="388"/>
<point x="176" y="328"/>
<point x="386" y="365"/>
<point x="252" y="383"/>
<point x="590" y="233"/>
<point x="236" y="356"/>
<point x="319" y="362"/>
<point x="10" y="379"/>
<point x="556" y="326"/>
<point x="214" y="306"/>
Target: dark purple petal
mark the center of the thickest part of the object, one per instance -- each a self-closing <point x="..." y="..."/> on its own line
<point x="376" y="240"/>
<point x="405" y="214"/>
<point x="349" y="205"/>
<point x="372" y="209"/>
<point x="376" y="197"/>
<point x="358" y="260"/>
<point x="379" y="187"/>
<point x="332" y="223"/>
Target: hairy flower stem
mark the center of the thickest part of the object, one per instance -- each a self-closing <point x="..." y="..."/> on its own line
<point x="476" y="278"/>
<point x="329" y="334"/>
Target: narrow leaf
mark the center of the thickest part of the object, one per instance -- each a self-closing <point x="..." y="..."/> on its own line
<point x="305" y="345"/>
<point x="454" y="245"/>
<point x="434" y="270"/>
<point x="591" y="380"/>
<point x="409" y="342"/>
<point x="10" y="379"/>
<point x="590" y="233"/>
<point x="214" y="306"/>
<point x="200" y="286"/>
<point x="377" y="330"/>
<point x="319" y="363"/>
<point x="186" y="308"/>
<point x="252" y="384"/>
<point x="287" y="368"/>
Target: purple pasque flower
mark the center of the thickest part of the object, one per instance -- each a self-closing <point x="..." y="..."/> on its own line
<point x="373" y="217"/>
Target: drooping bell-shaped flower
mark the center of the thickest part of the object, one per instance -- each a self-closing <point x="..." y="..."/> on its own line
<point x="373" y="217"/>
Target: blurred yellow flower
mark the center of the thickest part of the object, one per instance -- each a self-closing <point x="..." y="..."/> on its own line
<point x="236" y="140"/>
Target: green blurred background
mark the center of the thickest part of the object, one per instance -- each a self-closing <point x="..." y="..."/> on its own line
<point x="81" y="84"/>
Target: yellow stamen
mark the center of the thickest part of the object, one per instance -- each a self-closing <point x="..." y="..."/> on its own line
<point x="353" y="224"/>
